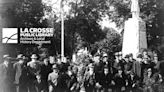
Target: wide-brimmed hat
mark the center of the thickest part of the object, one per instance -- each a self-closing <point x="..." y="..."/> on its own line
<point x="34" y="56"/>
<point x="96" y="54"/>
<point x="116" y="54"/>
<point x="130" y="55"/>
<point x="139" y="56"/>
<point x="6" y="57"/>
<point x="105" y="55"/>
<point x="149" y="70"/>
<point x="127" y="56"/>
<point x="20" y="56"/>
<point x="55" y="66"/>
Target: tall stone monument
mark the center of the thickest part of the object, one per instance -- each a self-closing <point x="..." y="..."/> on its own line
<point x="134" y="37"/>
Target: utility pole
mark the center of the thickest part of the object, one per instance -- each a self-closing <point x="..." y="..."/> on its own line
<point x="62" y="30"/>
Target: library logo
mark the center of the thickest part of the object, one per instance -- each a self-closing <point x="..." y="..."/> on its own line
<point x="9" y="35"/>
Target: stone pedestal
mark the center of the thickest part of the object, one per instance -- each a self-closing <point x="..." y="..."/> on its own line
<point x="134" y="38"/>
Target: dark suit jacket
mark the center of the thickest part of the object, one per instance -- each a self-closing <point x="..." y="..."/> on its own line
<point x="131" y="81"/>
<point x="120" y="81"/>
<point x="106" y="80"/>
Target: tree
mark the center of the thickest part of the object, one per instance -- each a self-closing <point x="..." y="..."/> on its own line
<point x="111" y="43"/>
<point x="81" y="25"/>
<point x="27" y="13"/>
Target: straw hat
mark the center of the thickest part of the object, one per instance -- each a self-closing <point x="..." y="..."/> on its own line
<point x="20" y="56"/>
<point x="34" y="56"/>
<point x="6" y="57"/>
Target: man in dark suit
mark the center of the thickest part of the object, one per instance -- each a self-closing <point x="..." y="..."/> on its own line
<point x="90" y="79"/>
<point x="6" y="76"/>
<point x="128" y="65"/>
<point x="133" y="83"/>
<point x="106" y="79"/>
<point x="45" y="70"/>
<point x="119" y="81"/>
<point x="20" y="71"/>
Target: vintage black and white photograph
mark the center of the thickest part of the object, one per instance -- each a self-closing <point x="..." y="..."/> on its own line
<point x="81" y="45"/>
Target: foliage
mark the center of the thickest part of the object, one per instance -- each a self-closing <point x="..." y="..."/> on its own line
<point x="28" y="13"/>
<point x="81" y="26"/>
<point x="111" y="43"/>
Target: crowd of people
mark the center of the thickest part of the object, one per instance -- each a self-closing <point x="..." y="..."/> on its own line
<point x="95" y="73"/>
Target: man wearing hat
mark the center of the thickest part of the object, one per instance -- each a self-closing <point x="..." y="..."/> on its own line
<point x="105" y="59"/>
<point x="20" y="71"/>
<point x="128" y="64"/>
<point x="120" y="55"/>
<point x="6" y="75"/>
<point x="90" y="79"/>
<point x="131" y="57"/>
<point x="137" y="66"/>
<point x="119" y="62"/>
<point x="53" y="79"/>
<point x="116" y="62"/>
<point x="98" y="63"/>
<point x="132" y="83"/>
<point x="98" y="68"/>
<point x="34" y="68"/>
<point x="46" y="68"/>
<point x="106" y="80"/>
<point x="119" y="81"/>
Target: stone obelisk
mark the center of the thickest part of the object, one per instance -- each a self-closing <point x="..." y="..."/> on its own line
<point x="134" y="37"/>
